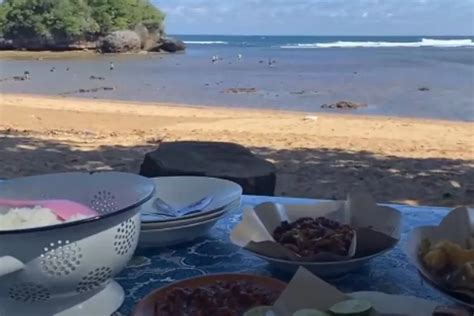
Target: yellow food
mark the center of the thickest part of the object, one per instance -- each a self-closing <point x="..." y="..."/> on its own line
<point x="436" y="259"/>
<point x="446" y="254"/>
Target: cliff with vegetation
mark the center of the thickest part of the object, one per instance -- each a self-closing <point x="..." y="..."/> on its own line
<point x="80" y="24"/>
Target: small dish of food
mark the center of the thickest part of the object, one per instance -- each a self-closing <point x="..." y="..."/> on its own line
<point x="308" y="237"/>
<point x="304" y="295"/>
<point x="451" y="267"/>
<point x="219" y="294"/>
<point x="328" y="238"/>
<point x="444" y="255"/>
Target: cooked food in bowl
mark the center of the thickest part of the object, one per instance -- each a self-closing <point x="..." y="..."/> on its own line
<point x="311" y="236"/>
<point x="230" y="298"/>
<point x="29" y="217"/>
<point x="451" y="264"/>
<point x="445" y="255"/>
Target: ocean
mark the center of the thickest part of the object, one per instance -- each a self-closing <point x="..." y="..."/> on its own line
<point x="295" y="42"/>
<point x="409" y="76"/>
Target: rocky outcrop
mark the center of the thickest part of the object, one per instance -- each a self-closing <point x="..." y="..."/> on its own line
<point x="116" y="42"/>
<point x="142" y="32"/>
<point x="170" y="45"/>
<point x="39" y="44"/>
<point x="229" y="161"/>
<point x="240" y="90"/>
<point x="120" y="42"/>
<point x="6" y="44"/>
<point x="344" y="105"/>
<point x="150" y="39"/>
<point x="83" y="45"/>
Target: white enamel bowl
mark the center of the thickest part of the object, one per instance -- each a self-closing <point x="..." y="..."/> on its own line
<point x="67" y="269"/>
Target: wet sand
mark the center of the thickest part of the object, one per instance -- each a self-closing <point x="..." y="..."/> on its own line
<point x="414" y="161"/>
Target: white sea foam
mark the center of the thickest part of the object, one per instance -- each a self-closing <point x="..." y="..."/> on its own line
<point x="425" y="42"/>
<point x="206" y="42"/>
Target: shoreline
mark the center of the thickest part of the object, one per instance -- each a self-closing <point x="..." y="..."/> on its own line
<point x="123" y="104"/>
<point x="66" y="54"/>
<point x="45" y="54"/>
<point x="402" y="160"/>
<point x="397" y="84"/>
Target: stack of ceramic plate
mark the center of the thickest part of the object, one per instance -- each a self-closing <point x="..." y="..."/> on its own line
<point x="218" y="196"/>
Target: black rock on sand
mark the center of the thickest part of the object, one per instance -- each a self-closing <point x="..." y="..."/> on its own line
<point x="344" y="105"/>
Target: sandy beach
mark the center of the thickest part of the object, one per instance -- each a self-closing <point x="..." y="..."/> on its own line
<point x="400" y="160"/>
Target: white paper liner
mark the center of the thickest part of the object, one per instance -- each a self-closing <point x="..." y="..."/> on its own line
<point x="376" y="227"/>
<point x="457" y="227"/>
<point x="305" y="290"/>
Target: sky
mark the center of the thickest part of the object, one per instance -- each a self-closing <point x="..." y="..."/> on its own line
<point x="319" y="17"/>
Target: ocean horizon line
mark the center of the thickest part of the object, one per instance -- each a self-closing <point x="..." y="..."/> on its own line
<point x="315" y="35"/>
<point x="312" y="42"/>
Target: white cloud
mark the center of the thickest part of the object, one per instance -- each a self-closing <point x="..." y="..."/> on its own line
<point x="319" y="16"/>
<point x="200" y="10"/>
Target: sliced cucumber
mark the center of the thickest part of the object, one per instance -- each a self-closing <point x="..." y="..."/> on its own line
<point x="309" y="312"/>
<point x="352" y="307"/>
<point x="260" y="311"/>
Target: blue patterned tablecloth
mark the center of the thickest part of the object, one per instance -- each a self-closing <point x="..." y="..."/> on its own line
<point x="153" y="268"/>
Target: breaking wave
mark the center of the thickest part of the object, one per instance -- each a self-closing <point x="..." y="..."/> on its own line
<point x="425" y="42"/>
<point x="206" y="42"/>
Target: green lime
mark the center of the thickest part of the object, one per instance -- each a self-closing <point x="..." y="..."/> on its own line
<point x="353" y="307"/>
<point x="309" y="312"/>
<point x="260" y="311"/>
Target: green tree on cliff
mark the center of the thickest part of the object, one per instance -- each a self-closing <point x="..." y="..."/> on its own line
<point x="3" y="13"/>
<point x="47" y="19"/>
<point x="74" y="19"/>
<point x="125" y="14"/>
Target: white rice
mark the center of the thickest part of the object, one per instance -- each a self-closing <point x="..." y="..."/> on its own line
<point x="29" y="217"/>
